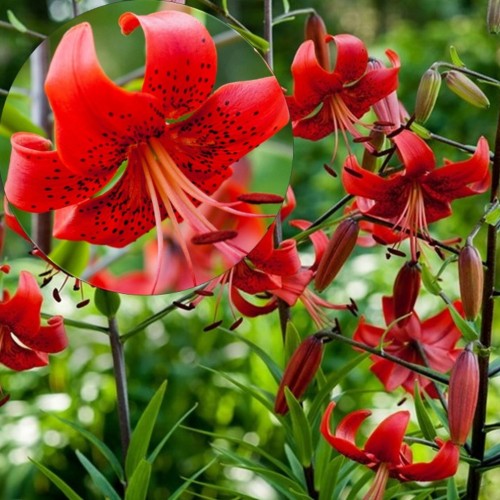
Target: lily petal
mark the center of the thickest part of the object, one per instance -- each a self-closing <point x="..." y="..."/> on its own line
<point x="19" y="358"/>
<point x="180" y="74"/>
<point x="386" y="440"/>
<point x="95" y="119"/>
<point x="352" y="57"/>
<point x="38" y="181"/>
<point x="417" y="157"/>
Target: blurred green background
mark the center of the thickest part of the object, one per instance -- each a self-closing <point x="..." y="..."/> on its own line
<point x="79" y="384"/>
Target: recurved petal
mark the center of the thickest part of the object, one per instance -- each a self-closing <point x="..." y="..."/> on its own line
<point x="100" y="220"/>
<point x="464" y="178"/>
<point x="19" y="358"/>
<point x="237" y="118"/>
<point x="443" y="465"/>
<point x="181" y="59"/>
<point x="284" y="260"/>
<point x="50" y="338"/>
<point x="352" y="57"/>
<point x="247" y="308"/>
<point x="343" y="439"/>
<point x="22" y="312"/>
<point x="252" y="281"/>
<point x="95" y="120"/>
<point x="38" y="181"/>
<point x="386" y="440"/>
<point x="417" y="157"/>
<point x="314" y="128"/>
<point x="441" y="329"/>
<point x="311" y="83"/>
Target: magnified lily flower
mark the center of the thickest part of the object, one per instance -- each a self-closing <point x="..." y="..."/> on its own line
<point x="421" y="193"/>
<point x="430" y="342"/>
<point x="179" y="139"/>
<point x="24" y="342"/>
<point x="385" y="452"/>
<point x="345" y="94"/>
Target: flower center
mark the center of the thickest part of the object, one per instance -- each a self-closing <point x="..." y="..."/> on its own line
<point x="171" y="192"/>
<point x="413" y="219"/>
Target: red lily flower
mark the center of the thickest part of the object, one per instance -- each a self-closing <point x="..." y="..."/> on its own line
<point x="420" y="194"/>
<point x="345" y="94"/>
<point x="24" y="342"/>
<point x="432" y="340"/>
<point x="174" y="163"/>
<point x="385" y="452"/>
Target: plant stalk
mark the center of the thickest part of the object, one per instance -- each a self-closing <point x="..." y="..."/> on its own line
<point x="121" y="384"/>
<point x="478" y="429"/>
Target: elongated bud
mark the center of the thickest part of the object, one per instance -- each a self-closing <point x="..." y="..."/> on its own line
<point x="336" y="253"/>
<point x="316" y="31"/>
<point x="405" y="291"/>
<point x="299" y="371"/>
<point x="377" y="141"/>
<point x="427" y="94"/>
<point x="493" y="16"/>
<point x="471" y="278"/>
<point x="466" y="89"/>
<point x="462" y="396"/>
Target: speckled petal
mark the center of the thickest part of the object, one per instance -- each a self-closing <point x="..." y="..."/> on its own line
<point x="181" y="60"/>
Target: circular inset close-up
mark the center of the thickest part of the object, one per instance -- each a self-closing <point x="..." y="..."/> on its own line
<point x="162" y="157"/>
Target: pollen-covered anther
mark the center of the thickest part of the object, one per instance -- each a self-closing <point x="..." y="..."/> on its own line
<point x="213" y="237"/>
<point x="212" y="326"/>
<point x="260" y="198"/>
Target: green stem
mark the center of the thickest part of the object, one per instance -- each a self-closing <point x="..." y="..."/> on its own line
<point x="80" y="324"/>
<point x="466" y="71"/>
<point x="121" y="385"/>
<point x="478" y="431"/>
<point x="33" y="34"/>
<point x="455" y="144"/>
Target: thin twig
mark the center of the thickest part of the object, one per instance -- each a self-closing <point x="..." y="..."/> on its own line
<point x="31" y="33"/>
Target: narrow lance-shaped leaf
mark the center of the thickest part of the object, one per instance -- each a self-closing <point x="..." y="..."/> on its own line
<point x="99" y="480"/>
<point x="137" y="488"/>
<point x="63" y="486"/>
<point x="424" y="420"/>
<point x="141" y="436"/>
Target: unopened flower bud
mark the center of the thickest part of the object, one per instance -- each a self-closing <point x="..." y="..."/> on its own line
<point x="462" y="396"/>
<point x="493" y="16"/>
<point x="316" y="31"/>
<point x="336" y="253"/>
<point x="471" y="278"/>
<point x="377" y="141"/>
<point x="427" y="94"/>
<point x="466" y="89"/>
<point x="405" y="291"/>
<point x="300" y="371"/>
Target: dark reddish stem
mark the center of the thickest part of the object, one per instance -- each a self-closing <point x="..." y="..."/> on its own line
<point x="40" y="112"/>
<point x="478" y="430"/>
<point x="121" y="384"/>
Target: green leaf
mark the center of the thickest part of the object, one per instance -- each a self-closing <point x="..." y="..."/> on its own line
<point x="179" y="491"/>
<point x="107" y="302"/>
<point x="452" y="491"/>
<point x="420" y="130"/>
<point x="162" y="443"/>
<point x="102" y="447"/>
<point x="301" y="429"/>
<point x="322" y="459"/>
<point x="67" y="490"/>
<point x="273" y="368"/>
<point x="15" y="22"/>
<point x="430" y="281"/>
<point x="254" y="40"/>
<point x="356" y="487"/>
<point x="438" y="410"/>
<point x="332" y="381"/>
<point x="493" y="216"/>
<point x="454" y="57"/>
<point x="465" y="327"/>
<point x="297" y="470"/>
<point x="286" y="6"/>
<point x="292" y="340"/>
<point x="329" y="478"/>
<point x="494" y="367"/>
<point x="14" y="120"/>
<point x="137" y="488"/>
<point x="99" y="480"/>
<point x="424" y="420"/>
<point x="71" y="256"/>
<point x="141" y="436"/>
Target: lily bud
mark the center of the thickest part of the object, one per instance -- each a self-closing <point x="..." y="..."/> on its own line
<point x="466" y="89"/>
<point x="316" y="31"/>
<point x="462" y="396"/>
<point x="336" y="253"/>
<point x="300" y="371"/>
<point x="427" y="94"/>
<point x="493" y="16"/>
<point x="405" y="291"/>
<point x="470" y="278"/>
